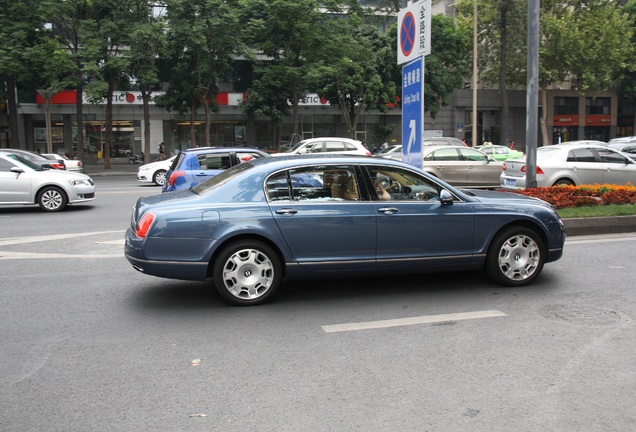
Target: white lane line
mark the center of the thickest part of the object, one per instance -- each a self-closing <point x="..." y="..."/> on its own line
<point x="30" y="255"/>
<point x="34" y="239"/>
<point x="369" y="325"/>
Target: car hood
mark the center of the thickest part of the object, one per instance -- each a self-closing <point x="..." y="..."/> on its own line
<point x="508" y="197"/>
<point x="60" y="175"/>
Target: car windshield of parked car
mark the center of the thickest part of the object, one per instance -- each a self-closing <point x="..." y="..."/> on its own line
<point x="218" y="180"/>
<point x="28" y="163"/>
<point x="295" y="147"/>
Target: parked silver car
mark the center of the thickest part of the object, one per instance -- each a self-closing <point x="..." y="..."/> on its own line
<point x="23" y="182"/>
<point x="572" y="164"/>
<point x="461" y="166"/>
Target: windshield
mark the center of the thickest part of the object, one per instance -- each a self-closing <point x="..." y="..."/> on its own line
<point x="295" y="147"/>
<point x="23" y="161"/>
<point x="218" y="180"/>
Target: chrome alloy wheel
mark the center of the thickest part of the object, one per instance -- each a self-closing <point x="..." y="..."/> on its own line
<point x="248" y="274"/>
<point x="519" y="257"/>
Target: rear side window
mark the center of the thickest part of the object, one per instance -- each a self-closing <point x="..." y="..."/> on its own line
<point x="214" y="161"/>
<point x="447" y="154"/>
<point x="333" y="146"/>
<point x="581" y="155"/>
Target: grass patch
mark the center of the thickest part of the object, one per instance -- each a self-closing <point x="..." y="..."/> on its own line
<point x="598" y="211"/>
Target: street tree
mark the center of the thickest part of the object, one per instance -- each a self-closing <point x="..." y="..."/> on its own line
<point x="146" y="48"/>
<point x="289" y="33"/>
<point x="20" y="27"/>
<point x="352" y="72"/>
<point x="204" y="40"/>
<point x="579" y="39"/>
<point x="106" y="44"/>
<point x="71" y="19"/>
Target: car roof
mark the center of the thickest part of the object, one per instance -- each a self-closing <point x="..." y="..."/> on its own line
<point x="221" y="149"/>
<point x="329" y="138"/>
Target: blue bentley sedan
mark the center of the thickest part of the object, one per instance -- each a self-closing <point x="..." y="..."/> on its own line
<point x="262" y="221"/>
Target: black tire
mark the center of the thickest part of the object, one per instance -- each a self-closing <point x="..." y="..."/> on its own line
<point x="247" y="273"/>
<point x="159" y="178"/>
<point x="516" y="256"/>
<point x="52" y="199"/>
<point x="564" y="182"/>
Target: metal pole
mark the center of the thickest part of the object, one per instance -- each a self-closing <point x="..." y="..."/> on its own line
<point x="532" y="94"/>
<point x="475" y="141"/>
<point x="49" y="134"/>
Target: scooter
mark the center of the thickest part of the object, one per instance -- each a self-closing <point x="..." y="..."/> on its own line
<point x="135" y="159"/>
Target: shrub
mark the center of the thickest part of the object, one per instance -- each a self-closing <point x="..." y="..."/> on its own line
<point x="584" y="195"/>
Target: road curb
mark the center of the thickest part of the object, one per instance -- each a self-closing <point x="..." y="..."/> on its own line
<point x="600" y="225"/>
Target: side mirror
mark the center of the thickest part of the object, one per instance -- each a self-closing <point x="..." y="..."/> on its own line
<point x="17" y="170"/>
<point x="445" y="197"/>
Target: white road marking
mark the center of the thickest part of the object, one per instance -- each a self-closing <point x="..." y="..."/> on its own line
<point x="430" y="319"/>
<point x="35" y="239"/>
<point x="32" y="255"/>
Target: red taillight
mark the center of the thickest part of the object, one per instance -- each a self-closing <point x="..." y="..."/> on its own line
<point x="173" y="177"/>
<point x="539" y="170"/>
<point x="503" y="166"/>
<point x="144" y="224"/>
<point x="79" y="163"/>
<point x="369" y="154"/>
<point x="59" y="166"/>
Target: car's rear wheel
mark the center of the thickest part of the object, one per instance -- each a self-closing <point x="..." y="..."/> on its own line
<point x="563" y="182"/>
<point x="247" y="272"/>
<point x="52" y="199"/>
<point x="516" y="256"/>
<point x="160" y="177"/>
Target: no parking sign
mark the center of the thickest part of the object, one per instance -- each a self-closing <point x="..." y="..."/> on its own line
<point x="414" y="38"/>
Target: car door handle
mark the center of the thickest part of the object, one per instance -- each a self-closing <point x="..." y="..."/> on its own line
<point x="286" y="211"/>
<point x="201" y="174"/>
<point x="388" y="210"/>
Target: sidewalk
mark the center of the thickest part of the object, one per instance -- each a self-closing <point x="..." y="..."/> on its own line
<point x="573" y="227"/>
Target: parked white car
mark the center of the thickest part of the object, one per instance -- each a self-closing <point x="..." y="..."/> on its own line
<point x="155" y="172"/>
<point x="25" y="183"/>
<point x="327" y="145"/>
<point x="70" y="164"/>
<point x="572" y="164"/>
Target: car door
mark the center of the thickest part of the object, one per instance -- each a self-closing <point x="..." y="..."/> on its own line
<point x="481" y="171"/>
<point x="324" y="217"/>
<point x="446" y="164"/>
<point x="15" y="187"/>
<point x="584" y="165"/>
<point x="415" y="230"/>
<point x="618" y="169"/>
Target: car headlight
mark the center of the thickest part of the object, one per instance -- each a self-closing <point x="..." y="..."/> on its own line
<point x="79" y="182"/>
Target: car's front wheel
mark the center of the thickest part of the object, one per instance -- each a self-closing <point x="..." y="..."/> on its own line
<point x="247" y="273"/>
<point x="516" y="256"/>
<point x="52" y="199"/>
<point x="160" y="177"/>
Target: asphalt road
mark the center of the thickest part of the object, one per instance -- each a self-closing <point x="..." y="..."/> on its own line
<point x="89" y="344"/>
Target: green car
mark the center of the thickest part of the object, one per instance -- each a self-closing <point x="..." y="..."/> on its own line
<point x="500" y="153"/>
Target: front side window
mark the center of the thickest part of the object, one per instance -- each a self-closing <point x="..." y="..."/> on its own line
<point x="609" y="156"/>
<point x="397" y="184"/>
<point x="473" y="155"/>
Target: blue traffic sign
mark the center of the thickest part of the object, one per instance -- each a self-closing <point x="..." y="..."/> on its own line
<point x="413" y="111"/>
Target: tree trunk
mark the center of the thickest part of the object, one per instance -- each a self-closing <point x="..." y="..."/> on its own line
<point x="544" y="119"/>
<point x="503" y="68"/>
<point x="296" y="134"/>
<point x="79" y="110"/>
<point x="14" y="137"/>
<point x="145" y="99"/>
<point x="108" y="135"/>
<point x="193" y="132"/>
